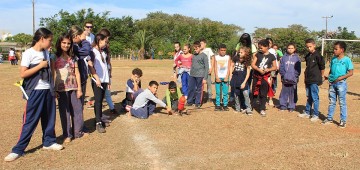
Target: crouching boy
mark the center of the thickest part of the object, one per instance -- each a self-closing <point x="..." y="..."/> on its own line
<point x="146" y="101"/>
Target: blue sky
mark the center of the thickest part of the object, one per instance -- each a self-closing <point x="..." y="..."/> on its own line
<point x="16" y="15"/>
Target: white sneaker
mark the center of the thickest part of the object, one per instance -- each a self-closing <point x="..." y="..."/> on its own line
<point x="314" y="118"/>
<point x="304" y="115"/>
<point x="11" y="157"/>
<point x="54" y="146"/>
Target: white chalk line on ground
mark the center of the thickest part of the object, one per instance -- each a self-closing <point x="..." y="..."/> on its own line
<point x="147" y="145"/>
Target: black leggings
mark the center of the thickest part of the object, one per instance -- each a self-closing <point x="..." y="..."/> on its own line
<point x="99" y="95"/>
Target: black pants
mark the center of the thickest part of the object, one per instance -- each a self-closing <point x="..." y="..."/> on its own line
<point x="99" y="95"/>
<point x="263" y="90"/>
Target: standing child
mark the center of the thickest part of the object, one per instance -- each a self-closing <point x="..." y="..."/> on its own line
<point x="145" y="103"/>
<point x="185" y="60"/>
<point x="198" y="76"/>
<point x="222" y="71"/>
<point x="177" y="53"/>
<point x="68" y="88"/>
<point x="82" y="50"/>
<point x="341" y="68"/>
<point x="35" y="70"/>
<point x="263" y="63"/>
<point x="240" y="69"/>
<point x="314" y="73"/>
<point x="275" y="72"/>
<point x="172" y="96"/>
<point x="290" y="68"/>
<point x="210" y="56"/>
<point x="101" y="74"/>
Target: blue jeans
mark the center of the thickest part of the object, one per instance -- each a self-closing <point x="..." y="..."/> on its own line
<point x="108" y="99"/>
<point x="339" y="90"/>
<point x="312" y="94"/>
<point x="225" y="89"/>
<point x="185" y="83"/>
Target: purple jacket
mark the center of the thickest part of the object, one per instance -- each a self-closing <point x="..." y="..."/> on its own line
<point x="290" y="68"/>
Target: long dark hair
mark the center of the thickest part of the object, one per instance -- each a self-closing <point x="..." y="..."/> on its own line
<point x="41" y="33"/>
<point x="245" y="40"/>
<point x="98" y="38"/>
<point x="59" y="51"/>
<point x="107" y="33"/>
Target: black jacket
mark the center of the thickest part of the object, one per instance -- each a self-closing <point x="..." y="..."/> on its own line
<point x="314" y="64"/>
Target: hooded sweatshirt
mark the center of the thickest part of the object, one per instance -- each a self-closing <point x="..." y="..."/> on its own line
<point x="290" y="68"/>
<point x="314" y="64"/>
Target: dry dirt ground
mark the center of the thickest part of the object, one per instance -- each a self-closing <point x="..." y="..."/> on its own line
<point x="203" y="140"/>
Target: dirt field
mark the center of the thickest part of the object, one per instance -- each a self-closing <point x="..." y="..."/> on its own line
<point x="203" y="140"/>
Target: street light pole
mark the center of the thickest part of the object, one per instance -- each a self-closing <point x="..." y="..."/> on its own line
<point x="33" y="10"/>
<point x="326" y="20"/>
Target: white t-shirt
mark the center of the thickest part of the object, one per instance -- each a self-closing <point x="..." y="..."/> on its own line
<point x="208" y="53"/>
<point x="30" y="56"/>
<point x="11" y="53"/>
<point x="273" y="52"/>
<point x="222" y="64"/>
<point x="90" y="38"/>
<point x="101" y="67"/>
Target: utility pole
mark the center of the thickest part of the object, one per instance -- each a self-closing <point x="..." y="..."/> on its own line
<point x="326" y="20"/>
<point x="33" y="10"/>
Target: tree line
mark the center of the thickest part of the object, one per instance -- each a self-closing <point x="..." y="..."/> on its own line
<point x="157" y="32"/>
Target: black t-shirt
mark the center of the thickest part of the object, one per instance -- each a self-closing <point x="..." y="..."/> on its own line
<point x="264" y="61"/>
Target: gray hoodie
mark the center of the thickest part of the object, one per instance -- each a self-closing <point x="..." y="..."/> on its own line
<point x="199" y="66"/>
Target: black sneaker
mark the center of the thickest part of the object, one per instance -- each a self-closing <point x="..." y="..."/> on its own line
<point x="342" y="124"/>
<point x="113" y="111"/>
<point x="100" y="128"/>
<point x="197" y="106"/>
<point x="327" y="121"/>
<point x="189" y="105"/>
<point x="226" y="108"/>
<point x="217" y="108"/>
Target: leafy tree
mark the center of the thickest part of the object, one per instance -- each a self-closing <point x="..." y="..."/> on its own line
<point x="22" y="39"/>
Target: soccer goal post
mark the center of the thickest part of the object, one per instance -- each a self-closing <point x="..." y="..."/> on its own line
<point x="324" y="39"/>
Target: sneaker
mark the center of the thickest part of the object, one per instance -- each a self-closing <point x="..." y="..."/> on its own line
<point x="217" y="108"/>
<point x="189" y="105"/>
<point x="327" y="121"/>
<point x="304" y="115"/>
<point x="226" y="108"/>
<point x="197" y="106"/>
<point x="100" y="128"/>
<point x="314" y="118"/>
<point x="54" y="146"/>
<point x="291" y="110"/>
<point x="67" y="140"/>
<point x="271" y="103"/>
<point x="263" y="113"/>
<point x="243" y="111"/>
<point x="342" y="124"/>
<point x="11" y="157"/>
<point x="113" y="111"/>
<point x="249" y="113"/>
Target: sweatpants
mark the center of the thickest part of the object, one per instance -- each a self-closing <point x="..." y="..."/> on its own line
<point x="288" y="96"/>
<point x="40" y="105"/>
<point x="99" y="95"/>
<point x="71" y="114"/>
<point x="144" y="112"/>
<point x="208" y="85"/>
<point x="221" y="87"/>
<point x="195" y="90"/>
